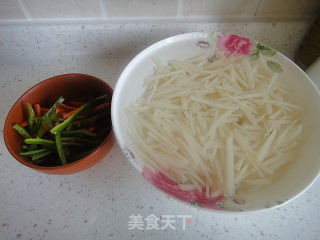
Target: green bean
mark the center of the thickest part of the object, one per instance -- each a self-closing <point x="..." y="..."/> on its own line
<point x="22" y="131"/>
<point x="60" y="148"/>
<point x="68" y="121"/>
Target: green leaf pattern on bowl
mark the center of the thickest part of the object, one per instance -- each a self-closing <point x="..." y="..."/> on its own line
<point x="235" y="44"/>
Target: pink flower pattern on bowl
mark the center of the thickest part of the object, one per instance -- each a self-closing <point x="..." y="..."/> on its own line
<point x="172" y="188"/>
<point x="233" y="44"/>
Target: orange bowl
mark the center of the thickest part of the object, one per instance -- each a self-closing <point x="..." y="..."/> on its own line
<point x="69" y="86"/>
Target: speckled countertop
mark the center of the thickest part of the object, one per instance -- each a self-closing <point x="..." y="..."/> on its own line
<point x="97" y="203"/>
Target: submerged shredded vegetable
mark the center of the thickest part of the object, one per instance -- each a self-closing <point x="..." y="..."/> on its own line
<point x="226" y="125"/>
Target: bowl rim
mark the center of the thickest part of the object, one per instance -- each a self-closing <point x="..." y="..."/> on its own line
<point x="123" y="78"/>
<point x="69" y="165"/>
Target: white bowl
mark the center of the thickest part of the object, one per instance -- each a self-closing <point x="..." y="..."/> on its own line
<point x="298" y="177"/>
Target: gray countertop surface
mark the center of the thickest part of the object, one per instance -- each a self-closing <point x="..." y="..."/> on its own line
<point x="97" y="203"/>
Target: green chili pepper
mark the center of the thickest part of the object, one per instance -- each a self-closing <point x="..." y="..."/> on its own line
<point x="77" y="139"/>
<point x="68" y="121"/>
<point x="40" y="155"/>
<point x="66" y="141"/>
<point x="87" y="121"/>
<point x="47" y="121"/>
<point x="80" y="132"/>
<point x="51" y="118"/>
<point x="60" y="148"/>
<point x="25" y="147"/>
<point x="39" y="141"/>
<point x="106" y="96"/>
<point x="54" y="106"/>
<point x="31" y="119"/>
<point x="32" y="152"/>
<point x="80" y="155"/>
<point x="22" y="131"/>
